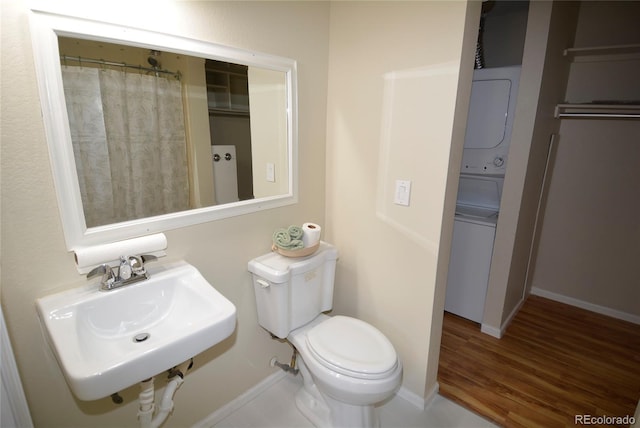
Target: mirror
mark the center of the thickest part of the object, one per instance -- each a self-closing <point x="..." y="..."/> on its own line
<point x="232" y="149"/>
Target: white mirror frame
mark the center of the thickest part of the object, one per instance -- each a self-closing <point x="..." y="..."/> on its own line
<point x="45" y="29"/>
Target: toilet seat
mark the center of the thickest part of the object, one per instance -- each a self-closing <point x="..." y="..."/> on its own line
<point x="352" y="347"/>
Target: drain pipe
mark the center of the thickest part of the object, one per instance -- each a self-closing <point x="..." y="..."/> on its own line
<point x="166" y="403"/>
<point x="147" y="396"/>
<point x="145" y="400"/>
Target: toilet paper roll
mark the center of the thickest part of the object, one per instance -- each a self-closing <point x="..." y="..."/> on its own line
<point x="310" y="234"/>
<point x="90" y="257"/>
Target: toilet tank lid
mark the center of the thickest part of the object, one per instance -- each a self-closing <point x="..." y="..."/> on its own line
<point x="278" y="269"/>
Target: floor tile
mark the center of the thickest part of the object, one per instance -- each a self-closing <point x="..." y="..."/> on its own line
<point x="276" y="408"/>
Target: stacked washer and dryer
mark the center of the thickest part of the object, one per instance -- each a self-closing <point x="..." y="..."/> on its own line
<point x="486" y="147"/>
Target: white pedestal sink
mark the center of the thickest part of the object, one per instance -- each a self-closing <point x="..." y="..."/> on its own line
<point x="106" y="341"/>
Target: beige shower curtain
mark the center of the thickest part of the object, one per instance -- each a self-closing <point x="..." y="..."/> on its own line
<point x="129" y="143"/>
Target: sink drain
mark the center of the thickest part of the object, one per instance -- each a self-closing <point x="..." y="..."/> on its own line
<point x="141" y="337"/>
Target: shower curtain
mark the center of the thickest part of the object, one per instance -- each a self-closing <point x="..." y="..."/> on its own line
<point x="129" y="143"/>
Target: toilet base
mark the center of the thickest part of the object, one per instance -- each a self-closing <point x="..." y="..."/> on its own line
<point x="323" y="411"/>
<point x="313" y="408"/>
<point x="340" y="415"/>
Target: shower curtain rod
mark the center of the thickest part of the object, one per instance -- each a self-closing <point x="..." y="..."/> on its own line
<point x="80" y="59"/>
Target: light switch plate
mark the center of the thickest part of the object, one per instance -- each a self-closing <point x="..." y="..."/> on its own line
<point x="271" y="172"/>
<point x="402" y="193"/>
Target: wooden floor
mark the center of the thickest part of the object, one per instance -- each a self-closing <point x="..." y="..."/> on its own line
<point x="554" y="362"/>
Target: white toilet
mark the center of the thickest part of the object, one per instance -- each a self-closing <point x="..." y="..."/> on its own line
<point x="347" y="365"/>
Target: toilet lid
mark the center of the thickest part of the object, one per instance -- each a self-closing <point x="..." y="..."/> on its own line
<point x="352" y="347"/>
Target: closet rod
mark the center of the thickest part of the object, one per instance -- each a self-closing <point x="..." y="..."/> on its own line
<point x="79" y="59"/>
<point x="600" y="115"/>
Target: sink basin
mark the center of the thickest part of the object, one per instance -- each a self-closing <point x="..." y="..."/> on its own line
<point x="106" y="341"/>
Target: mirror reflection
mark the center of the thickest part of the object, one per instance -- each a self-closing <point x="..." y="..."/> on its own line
<point x="156" y="132"/>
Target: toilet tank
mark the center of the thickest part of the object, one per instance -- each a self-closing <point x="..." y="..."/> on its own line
<point x="290" y="292"/>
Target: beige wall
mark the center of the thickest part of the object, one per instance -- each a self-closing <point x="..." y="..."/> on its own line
<point x="36" y="263"/>
<point x="393" y="80"/>
<point x="267" y="92"/>
<point x="378" y="89"/>
<point x="459" y="129"/>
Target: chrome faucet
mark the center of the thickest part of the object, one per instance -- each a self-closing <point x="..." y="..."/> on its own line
<point x="130" y="270"/>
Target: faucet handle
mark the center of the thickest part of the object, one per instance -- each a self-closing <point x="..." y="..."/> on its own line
<point x="99" y="270"/>
<point x="105" y="270"/>
<point x="137" y="263"/>
<point x="126" y="268"/>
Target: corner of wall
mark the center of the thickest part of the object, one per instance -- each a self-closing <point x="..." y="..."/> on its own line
<point x="465" y="77"/>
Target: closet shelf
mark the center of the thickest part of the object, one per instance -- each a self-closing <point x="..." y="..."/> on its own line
<point x="599" y="111"/>
<point x="620" y="51"/>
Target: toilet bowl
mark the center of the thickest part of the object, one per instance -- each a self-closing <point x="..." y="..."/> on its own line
<point x="347" y="365"/>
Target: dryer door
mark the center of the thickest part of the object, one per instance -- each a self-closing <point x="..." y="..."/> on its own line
<point x="490" y="120"/>
<point x="488" y="108"/>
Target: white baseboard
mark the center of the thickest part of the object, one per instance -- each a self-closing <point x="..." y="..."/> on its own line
<point x="431" y="395"/>
<point x="240" y="401"/>
<point x="415" y="399"/>
<point x="614" y="313"/>
<point x="499" y="332"/>
<point x="491" y="331"/>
